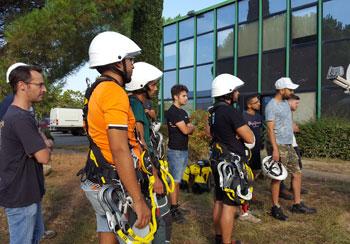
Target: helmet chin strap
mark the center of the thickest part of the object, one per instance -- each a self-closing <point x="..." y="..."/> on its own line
<point x="123" y="74"/>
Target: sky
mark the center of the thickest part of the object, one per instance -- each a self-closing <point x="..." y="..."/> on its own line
<point x="171" y="8"/>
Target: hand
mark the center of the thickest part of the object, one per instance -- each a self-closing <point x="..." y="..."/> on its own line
<point x="143" y="213"/>
<point x="191" y="126"/>
<point x="275" y="155"/>
<point x="49" y="143"/>
<point x="296" y="128"/>
<point x="158" y="186"/>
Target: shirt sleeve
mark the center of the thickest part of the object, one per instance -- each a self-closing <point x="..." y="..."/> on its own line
<point x="29" y="135"/>
<point x="115" y="106"/>
<point x="236" y="119"/>
<point x="269" y="113"/>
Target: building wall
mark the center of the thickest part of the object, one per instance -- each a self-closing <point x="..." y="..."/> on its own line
<point x="260" y="41"/>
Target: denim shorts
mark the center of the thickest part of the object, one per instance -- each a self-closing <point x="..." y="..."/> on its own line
<point x="26" y="224"/>
<point x="91" y="191"/>
<point x="177" y="163"/>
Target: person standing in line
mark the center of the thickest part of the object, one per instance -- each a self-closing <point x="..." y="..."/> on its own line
<point x="22" y="156"/>
<point x="179" y="127"/>
<point x="254" y="120"/>
<point x="231" y="134"/>
<point x="280" y="134"/>
<point x="143" y="87"/>
<point x="293" y="102"/>
<point x="111" y="127"/>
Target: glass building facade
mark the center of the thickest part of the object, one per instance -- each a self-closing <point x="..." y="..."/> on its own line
<point x="261" y="41"/>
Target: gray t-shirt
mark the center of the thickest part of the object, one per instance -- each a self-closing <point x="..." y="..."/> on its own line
<point x="280" y="113"/>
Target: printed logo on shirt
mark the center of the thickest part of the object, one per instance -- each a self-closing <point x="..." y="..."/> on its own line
<point x="254" y="124"/>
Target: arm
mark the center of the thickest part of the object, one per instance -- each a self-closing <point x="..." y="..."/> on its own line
<point x="118" y="140"/>
<point x="42" y="156"/>
<point x="186" y="129"/>
<point x="151" y="113"/>
<point x="272" y="138"/>
<point x="141" y="134"/>
<point x="295" y="128"/>
<point x="246" y="134"/>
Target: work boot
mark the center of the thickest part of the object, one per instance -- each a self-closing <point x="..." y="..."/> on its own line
<point x="177" y="216"/>
<point x="277" y="213"/>
<point x="302" y="209"/>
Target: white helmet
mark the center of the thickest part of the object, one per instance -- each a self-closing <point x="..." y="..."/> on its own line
<point x="224" y="84"/>
<point x="142" y="74"/>
<point x="273" y="169"/>
<point x="11" y="68"/>
<point x="110" y="47"/>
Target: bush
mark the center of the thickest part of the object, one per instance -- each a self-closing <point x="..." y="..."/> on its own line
<point x="326" y="138"/>
<point x="199" y="140"/>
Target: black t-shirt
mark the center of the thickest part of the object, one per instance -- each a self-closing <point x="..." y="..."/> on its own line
<point x="224" y="121"/>
<point x="255" y="124"/>
<point x="21" y="176"/>
<point x="177" y="139"/>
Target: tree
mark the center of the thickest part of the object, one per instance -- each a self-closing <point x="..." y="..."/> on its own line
<point x="147" y="31"/>
<point x="58" y="35"/>
<point x="11" y="9"/>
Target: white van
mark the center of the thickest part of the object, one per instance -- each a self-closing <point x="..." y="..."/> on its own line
<point x="67" y="120"/>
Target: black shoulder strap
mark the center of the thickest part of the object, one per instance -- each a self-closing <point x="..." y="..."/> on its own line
<point x="87" y="96"/>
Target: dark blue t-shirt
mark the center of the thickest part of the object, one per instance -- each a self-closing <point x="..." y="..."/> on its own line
<point x="255" y="124"/>
<point x="5" y="104"/>
<point x="21" y="176"/>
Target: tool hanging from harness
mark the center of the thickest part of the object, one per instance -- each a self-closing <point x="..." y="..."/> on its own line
<point x="154" y="157"/>
<point x="112" y="196"/>
<point x="235" y="175"/>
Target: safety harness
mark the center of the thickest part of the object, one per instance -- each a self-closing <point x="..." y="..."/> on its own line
<point x="112" y="196"/>
<point x="235" y="174"/>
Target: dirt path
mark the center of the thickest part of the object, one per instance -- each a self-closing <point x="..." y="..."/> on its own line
<point x="327" y="170"/>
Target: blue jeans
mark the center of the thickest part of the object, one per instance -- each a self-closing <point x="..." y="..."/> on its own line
<point x="177" y="163"/>
<point x="26" y="225"/>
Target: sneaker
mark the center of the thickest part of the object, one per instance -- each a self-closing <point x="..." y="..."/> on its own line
<point x="277" y="213"/>
<point x="249" y="218"/>
<point x="302" y="209"/>
<point x="177" y="216"/>
<point x="284" y="195"/>
<point x="49" y="234"/>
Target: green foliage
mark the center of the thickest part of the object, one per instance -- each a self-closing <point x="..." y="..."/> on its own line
<point x="58" y="35"/>
<point x="56" y="97"/>
<point x="326" y="138"/>
<point x="199" y="140"/>
<point x="147" y="31"/>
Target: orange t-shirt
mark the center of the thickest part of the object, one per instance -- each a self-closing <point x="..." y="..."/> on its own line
<point x="109" y="108"/>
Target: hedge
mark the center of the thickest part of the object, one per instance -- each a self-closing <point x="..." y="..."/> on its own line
<point x="325" y="138"/>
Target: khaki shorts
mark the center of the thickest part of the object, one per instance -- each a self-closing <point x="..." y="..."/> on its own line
<point x="289" y="158"/>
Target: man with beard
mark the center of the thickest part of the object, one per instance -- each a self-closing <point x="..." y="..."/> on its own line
<point x="280" y="135"/>
<point x="143" y="87"/>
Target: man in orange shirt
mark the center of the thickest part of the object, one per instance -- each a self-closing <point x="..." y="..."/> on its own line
<point x="110" y="125"/>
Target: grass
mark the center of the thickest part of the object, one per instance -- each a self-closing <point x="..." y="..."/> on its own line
<point x="67" y="211"/>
